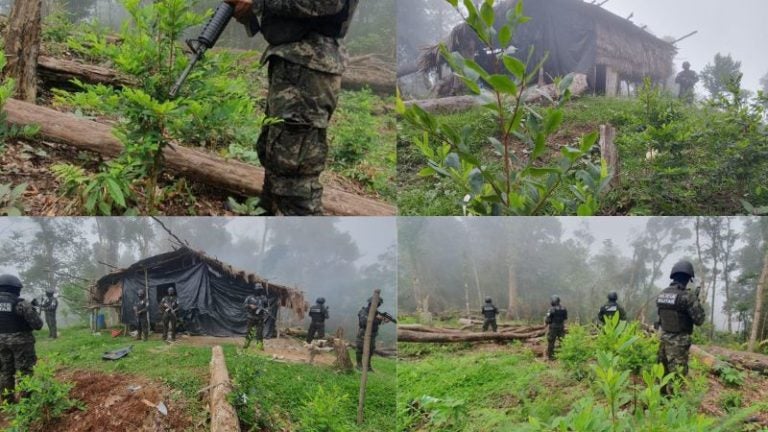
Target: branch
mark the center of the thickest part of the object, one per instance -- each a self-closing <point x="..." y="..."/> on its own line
<point x="180" y="241"/>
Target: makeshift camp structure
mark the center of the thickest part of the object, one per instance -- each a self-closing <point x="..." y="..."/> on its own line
<point x="576" y="37"/>
<point x="210" y="293"/>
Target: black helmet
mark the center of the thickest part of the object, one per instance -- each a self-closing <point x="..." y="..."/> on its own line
<point x="381" y="300"/>
<point x="171" y="291"/>
<point x="10" y="284"/>
<point x="554" y="300"/>
<point x="49" y="293"/>
<point x="321" y="300"/>
<point x="488" y="299"/>
<point x="686" y="65"/>
<point x="259" y="289"/>
<point x="142" y="293"/>
<point x="612" y="296"/>
<point x="684" y="267"/>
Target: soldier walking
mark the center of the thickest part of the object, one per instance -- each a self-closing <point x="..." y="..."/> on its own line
<point x="679" y="310"/>
<point x="49" y="306"/>
<point x="306" y="59"/>
<point x="318" y="313"/>
<point x="142" y="316"/>
<point x="555" y="321"/>
<point x="489" y="312"/>
<point x="610" y="309"/>
<point x="169" y="305"/>
<point x="256" y="308"/>
<point x="18" y="319"/>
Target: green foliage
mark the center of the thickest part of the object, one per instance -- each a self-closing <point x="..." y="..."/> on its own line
<point x="7" y="87"/>
<point x="625" y="339"/>
<point x="731" y="400"/>
<point x="11" y="199"/>
<point x="100" y="194"/>
<point x="441" y="413"/>
<point x="567" y="185"/>
<point x="730" y="376"/>
<point x="248" y="208"/>
<point x="577" y="348"/>
<point x="320" y="412"/>
<point x="720" y="74"/>
<point x="58" y="26"/>
<point x="45" y="400"/>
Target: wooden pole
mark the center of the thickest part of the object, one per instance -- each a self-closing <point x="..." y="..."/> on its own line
<point x="759" y="295"/>
<point x="146" y="296"/>
<point x="223" y="414"/>
<point x="374" y="306"/>
<point x="610" y="153"/>
<point x="22" y="46"/>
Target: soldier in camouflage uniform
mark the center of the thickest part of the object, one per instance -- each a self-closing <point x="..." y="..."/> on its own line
<point x="319" y="313"/>
<point x="169" y="306"/>
<point x="256" y="308"/>
<point x="362" y="320"/>
<point x="489" y="312"/>
<point x="555" y="321"/>
<point x="49" y="306"/>
<point x="18" y="319"/>
<point x="679" y="310"/>
<point x="610" y="309"/>
<point x="142" y="316"/>
<point x="687" y="79"/>
<point x="306" y="60"/>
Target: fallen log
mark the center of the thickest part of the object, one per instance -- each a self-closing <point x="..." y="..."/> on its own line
<point x="223" y="415"/>
<point x="233" y="176"/>
<point x="412" y="336"/>
<point x="708" y="359"/>
<point x="744" y="359"/>
<point x="62" y="72"/>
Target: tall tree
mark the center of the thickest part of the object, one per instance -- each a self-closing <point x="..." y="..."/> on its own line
<point x="717" y="75"/>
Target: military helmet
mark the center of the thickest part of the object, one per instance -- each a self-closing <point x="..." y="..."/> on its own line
<point x="683" y="266"/>
<point x="142" y="293"/>
<point x="321" y="300"/>
<point x="554" y="300"/>
<point x="49" y="293"/>
<point x="612" y="296"/>
<point x="171" y="291"/>
<point x="686" y="65"/>
<point x="381" y="300"/>
<point x="259" y="289"/>
<point x="11" y="284"/>
<point x="488" y="300"/>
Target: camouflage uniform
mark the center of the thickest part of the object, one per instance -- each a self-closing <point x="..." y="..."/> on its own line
<point x="170" y="307"/>
<point x="319" y="313"/>
<point x="17" y="343"/>
<point x="555" y="319"/>
<point x="362" y="319"/>
<point x="304" y="84"/>
<point x="49" y="306"/>
<point x="679" y="311"/>
<point x="489" y="312"/>
<point x="142" y="323"/>
<point x="255" y="318"/>
<point x="687" y="79"/>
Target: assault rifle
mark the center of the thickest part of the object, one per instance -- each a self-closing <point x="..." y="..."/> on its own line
<point x="388" y="317"/>
<point x="208" y="38"/>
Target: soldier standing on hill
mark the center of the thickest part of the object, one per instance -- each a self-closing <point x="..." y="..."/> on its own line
<point x="306" y="60"/>
<point x="18" y="319"/>
<point x="319" y="313"/>
<point x="610" y="309"/>
<point x="489" y="312"/>
<point x="687" y="80"/>
<point x="555" y="320"/>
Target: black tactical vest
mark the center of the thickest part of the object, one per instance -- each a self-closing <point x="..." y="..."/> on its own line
<point x="489" y="311"/>
<point x="278" y="30"/>
<point x="673" y="311"/>
<point x="558" y="315"/>
<point x="10" y="322"/>
<point x="610" y="309"/>
<point x="317" y="313"/>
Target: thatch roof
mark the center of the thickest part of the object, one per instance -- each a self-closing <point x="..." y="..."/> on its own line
<point x="600" y="37"/>
<point x="108" y="289"/>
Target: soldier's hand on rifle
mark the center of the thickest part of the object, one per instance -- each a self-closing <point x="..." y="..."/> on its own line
<point x="243" y="9"/>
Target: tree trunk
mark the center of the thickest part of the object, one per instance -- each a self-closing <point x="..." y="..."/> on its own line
<point x="366" y="352"/>
<point x="512" y="312"/>
<point x="759" y="299"/>
<point x="343" y="362"/>
<point x="60" y="72"/>
<point x="742" y="359"/>
<point x="22" y="47"/>
<point x="610" y="152"/>
<point x="418" y="336"/>
<point x="233" y="176"/>
<point x="223" y="415"/>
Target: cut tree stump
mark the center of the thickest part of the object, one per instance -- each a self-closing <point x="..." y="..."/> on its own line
<point x="22" y="47"/>
<point x="610" y="153"/>
<point x="238" y="177"/>
<point x="343" y="362"/>
<point x="413" y="336"/>
<point x="223" y="414"/>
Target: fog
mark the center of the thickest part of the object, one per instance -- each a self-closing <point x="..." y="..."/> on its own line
<point x="453" y="263"/>
<point x="341" y="259"/>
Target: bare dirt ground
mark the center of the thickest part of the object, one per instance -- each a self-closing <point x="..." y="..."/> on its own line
<point x="283" y="349"/>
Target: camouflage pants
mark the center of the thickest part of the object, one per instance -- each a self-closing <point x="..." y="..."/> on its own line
<point x="360" y="346"/>
<point x="50" y="321"/>
<point x="553" y="335"/>
<point x="490" y="322"/>
<point x="169" y="325"/>
<point x="255" y="331"/>
<point x="673" y="352"/>
<point x="293" y="152"/>
<point x="315" y="329"/>
<point x="143" y="327"/>
<point x="15" y="358"/>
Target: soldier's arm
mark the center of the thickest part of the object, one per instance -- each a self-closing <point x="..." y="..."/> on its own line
<point x="696" y="310"/>
<point x="26" y="311"/>
<point x="304" y="8"/>
<point x="565" y="312"/>
<point x="326" y="314"/>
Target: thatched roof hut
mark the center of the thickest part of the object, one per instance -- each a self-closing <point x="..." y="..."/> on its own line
<point x="210" y="292"/>
<point x="577" y="37"/>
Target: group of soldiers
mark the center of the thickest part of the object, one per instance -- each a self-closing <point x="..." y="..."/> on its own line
<point x="169" y="311"/>
<point x="678" y="307"/>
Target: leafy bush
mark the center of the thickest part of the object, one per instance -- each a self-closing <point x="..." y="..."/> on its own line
<point x="577" y="348"/>
<point x="320" y="412"/>
<point x="10" y="199"/>
<point x="626" y="340"/>
<point x="45" y="400"/>
<point x="730" y="376"/>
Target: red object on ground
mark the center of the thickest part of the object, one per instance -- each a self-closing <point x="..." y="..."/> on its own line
<point x="116" y="333"/>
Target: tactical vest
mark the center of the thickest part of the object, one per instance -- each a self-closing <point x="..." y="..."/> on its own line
<point x="673" y="311"/>
<point x="278" y="30"/>
<point x="489" y="311"/>
<point x="10" y="322"/>
<point x="362" y="318"/>
<point x="610" y="309"/>
<point x="317" y="313"/>
<point x="558" y="315"/>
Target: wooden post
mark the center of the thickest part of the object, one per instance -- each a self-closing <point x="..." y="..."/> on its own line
<point x="343" y="363"/>
<point x="22" y="46"/>
<point x="610" y="153"/>
<point x="146" y="296"/>
<point x="759" y="295"/>
<point x="374" y="306"/>
<point x="223" y="415"/>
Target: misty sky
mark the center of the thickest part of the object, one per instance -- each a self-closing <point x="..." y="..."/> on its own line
<point x="737" y="27"/>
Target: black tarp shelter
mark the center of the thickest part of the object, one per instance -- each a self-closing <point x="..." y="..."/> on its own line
<point x="210" y="293"/>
